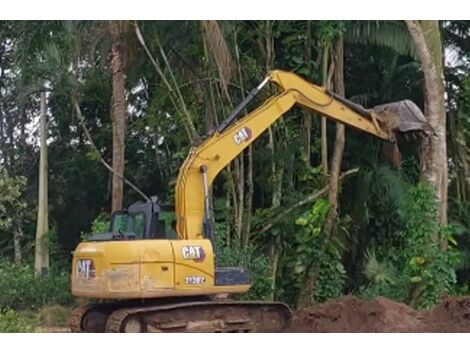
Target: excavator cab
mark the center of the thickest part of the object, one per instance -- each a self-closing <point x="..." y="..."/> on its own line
<point x="142" y="220"/>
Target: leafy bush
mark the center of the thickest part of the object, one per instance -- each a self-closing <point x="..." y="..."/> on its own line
<point x="21" y="289"/>
<point x="99" y="225"/>
<point x="316" y="255"/>
<point x="248" y="257"/>
<point x="11" y="189"/>
<point x="331" y="275"/>
<point x="419" y="270"/>
<point x="10" y="321"/>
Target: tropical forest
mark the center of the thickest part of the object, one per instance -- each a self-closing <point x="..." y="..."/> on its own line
<point x="318" y="195"/>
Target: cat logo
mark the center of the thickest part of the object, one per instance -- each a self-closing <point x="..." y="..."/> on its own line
<point x="195" y="253"/>
<point x="243" y="135"/>
<point x="86" y="268"/>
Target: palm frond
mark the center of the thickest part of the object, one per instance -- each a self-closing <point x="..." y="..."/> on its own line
<point x="378" y="271"/>
<point x="391" y="34"/>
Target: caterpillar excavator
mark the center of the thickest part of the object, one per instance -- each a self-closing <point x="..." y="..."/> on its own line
<point x="156" y="273"/>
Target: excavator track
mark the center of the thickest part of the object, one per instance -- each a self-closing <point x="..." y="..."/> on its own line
<point x="196" y="316"/>
<point x="75" y="322"/>
<point x="90" y="318"/>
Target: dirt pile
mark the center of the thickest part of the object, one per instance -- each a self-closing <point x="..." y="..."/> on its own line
<point x="351" y="314"/>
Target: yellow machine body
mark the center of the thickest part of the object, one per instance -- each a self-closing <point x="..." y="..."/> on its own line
<point x="146" y="269"/>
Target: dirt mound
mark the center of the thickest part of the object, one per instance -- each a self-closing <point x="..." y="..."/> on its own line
<point x="451" y="315"/>
<point x="352" y="314"/>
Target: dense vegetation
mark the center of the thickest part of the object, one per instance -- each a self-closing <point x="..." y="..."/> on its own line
<point x="272" y="205"/>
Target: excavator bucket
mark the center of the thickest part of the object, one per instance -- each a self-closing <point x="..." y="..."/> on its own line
<point x="402" y="117"/>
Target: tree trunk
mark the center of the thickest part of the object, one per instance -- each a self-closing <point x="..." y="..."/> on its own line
<point x="17" y="237"/>
<point x="240" y="187"/>
<point x="464" y="172"/>
<point x="324" y="131"/>
<point x="335" y="169"/>
<point x="307" y="115"/>
<point x="118" y="112"/>
<point x="306" y="295"/>
<point x="275" y="254"/>
<point x="41" y="255"/>
<point x="276" y="169"/>
<point x="427" y="40"/>
<point x="2" y="137"/>
<point x="249" y="198"/>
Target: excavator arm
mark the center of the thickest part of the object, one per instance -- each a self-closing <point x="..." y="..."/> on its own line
<point x="207" y="160"/>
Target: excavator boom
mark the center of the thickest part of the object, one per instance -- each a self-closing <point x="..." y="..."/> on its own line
<point x="207" y="160"/>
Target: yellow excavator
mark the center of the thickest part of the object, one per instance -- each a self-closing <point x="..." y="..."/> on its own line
<point x="158" y="273"/>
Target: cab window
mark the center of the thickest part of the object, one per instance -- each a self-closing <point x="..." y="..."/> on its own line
<point x="132" y="224"/>
<point x="168" y="222"/>
<point x="137" y="224"/>
<point x="119" y="222"/>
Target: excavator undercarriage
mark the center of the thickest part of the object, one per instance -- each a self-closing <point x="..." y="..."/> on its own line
<point x="182" y="315"/>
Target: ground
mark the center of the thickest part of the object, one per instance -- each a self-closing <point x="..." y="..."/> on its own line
<point x="351" y="314"/>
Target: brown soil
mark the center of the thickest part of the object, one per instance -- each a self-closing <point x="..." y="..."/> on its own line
<point x="352" y="314"/>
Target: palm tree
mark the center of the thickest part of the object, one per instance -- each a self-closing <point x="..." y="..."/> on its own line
<point x="119" y="54"/>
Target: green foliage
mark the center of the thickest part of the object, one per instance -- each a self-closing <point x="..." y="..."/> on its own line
<point x="327" y="31"/>
<point x="392" y="34"/>
<point x="316" y="254"/>
<point x="430" y="269"/>
<point x="98" y="225"/>
<point x="416" y="269"/>
<point x="379" y="272"/>
<point x="12" y="322"/>
<point x="374" y="201"/>
<point x="249" y="257"/>
<point x="21" y="289"/>
<point x="11" y="204"/>
<point x="311" y="222"/>
<point x="378" y="248"/>
<point x="331" y="275"/>
<point x="58" y="257"/>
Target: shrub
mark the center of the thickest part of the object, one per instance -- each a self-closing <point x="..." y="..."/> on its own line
<point x="249" y="257"/>
<point x="55" y="315"/>
<point x="99" y="225"/>
<point x="316" y="256"/>
<point x="423" y="270"/>
<point x="10" y="321"/>
<point x="21" y="289"/>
